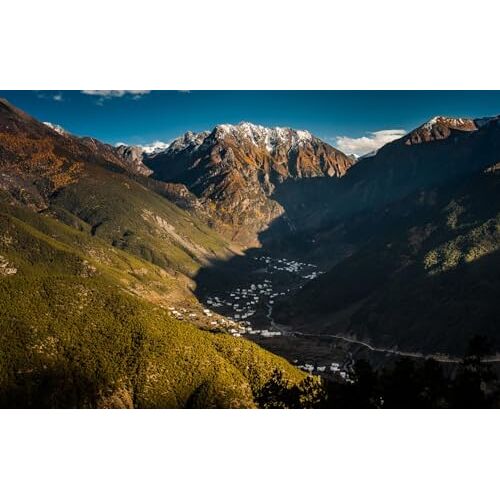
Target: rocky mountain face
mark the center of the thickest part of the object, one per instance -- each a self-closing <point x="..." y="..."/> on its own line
<point x="438" y="128"/>
<point x="234" y="170"/>
<point x="246" y="177"/>
<point x="133" y="156"/>
<point x="439" y="151"/>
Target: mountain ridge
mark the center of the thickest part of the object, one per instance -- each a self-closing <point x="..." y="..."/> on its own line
<point x="234" y="169"/>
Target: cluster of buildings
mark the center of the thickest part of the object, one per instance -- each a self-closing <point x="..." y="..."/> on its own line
<point x="313" y="275"/>
<point x="242" y="303"/>
<point x="292" y="266"/>
<point x="208" y="318"/>
<point x="181" y="313"/>
<point x="231" y="311"/>
<point x="334" y="368"/>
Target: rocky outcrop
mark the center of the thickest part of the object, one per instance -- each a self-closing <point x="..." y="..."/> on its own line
<point x="6" y="268"/>
<point x="133" y="156"/>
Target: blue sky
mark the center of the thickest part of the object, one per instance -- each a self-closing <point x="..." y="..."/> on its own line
<point x="355" y="121"/>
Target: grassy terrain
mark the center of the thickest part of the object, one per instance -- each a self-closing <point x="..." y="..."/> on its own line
<point x="133" y="218"/>
<point x="91" y="257"/>
<point x="73" y="333"/>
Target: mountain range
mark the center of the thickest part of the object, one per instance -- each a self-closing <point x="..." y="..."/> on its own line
<point x="96" y="267"/>
<point x="234" y="170"/>
<point x="415" y="231"/>
<point x="101" y="250"/>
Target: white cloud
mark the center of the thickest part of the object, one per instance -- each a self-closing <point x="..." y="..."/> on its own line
<point x="108" y="94"/>
<point x="103" y="95"/>
<point x="366" y="144"/>
<point x="55" y="97"/>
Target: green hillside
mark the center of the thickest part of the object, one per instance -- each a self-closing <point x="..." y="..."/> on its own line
<point x="74" y="334"/>
<point x="131" y="217"/>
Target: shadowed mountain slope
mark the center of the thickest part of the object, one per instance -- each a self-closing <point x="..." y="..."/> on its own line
<point x="422" y="273"/>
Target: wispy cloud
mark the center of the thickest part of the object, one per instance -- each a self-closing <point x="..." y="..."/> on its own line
<point x="103" y="95"/>
<point x="47" y="95"/>
<point x="366" y="144"/>
<point x="115" y="93"/>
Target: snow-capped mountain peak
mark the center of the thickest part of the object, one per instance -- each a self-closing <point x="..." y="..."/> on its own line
<point x="154" y="147"/>
<point x="453" y="123"/>
<point x="148" y="149"/>
<point x="439" y="128"/>
<point x="188" y="140"/>
<point x="269" y="137"/>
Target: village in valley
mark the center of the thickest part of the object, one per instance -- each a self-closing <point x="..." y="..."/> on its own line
<point x="246" y="311"/>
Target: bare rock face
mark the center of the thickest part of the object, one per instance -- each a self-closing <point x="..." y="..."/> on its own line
<point x="234" y="169"/>
<point x="133" y="156"/>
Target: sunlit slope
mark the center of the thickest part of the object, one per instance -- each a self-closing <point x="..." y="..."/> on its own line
<point x="133" y="218"/>
<point x="75" y="332"/>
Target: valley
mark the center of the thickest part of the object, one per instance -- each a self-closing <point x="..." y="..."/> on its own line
<point x="258" y="281"/>
<point x="241" y="263"/>
<point x="249" y="305"/>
